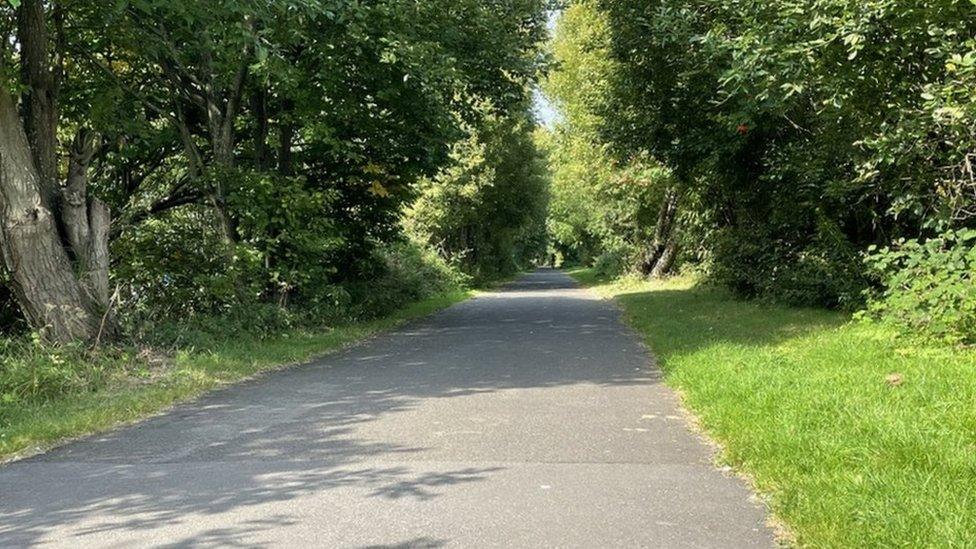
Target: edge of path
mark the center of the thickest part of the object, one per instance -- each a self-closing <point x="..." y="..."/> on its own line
<point x="781" y="531"/>
<point x="130" y="399"/>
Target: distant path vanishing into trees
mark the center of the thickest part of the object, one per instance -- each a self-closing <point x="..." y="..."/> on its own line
<point x="526" y="417"/>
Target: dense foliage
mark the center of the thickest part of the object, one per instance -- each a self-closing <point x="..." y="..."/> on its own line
<point x="616" y="210"/>
<point x="256" y="156"/>
<point x="928" y="286"/>
<point x="798" y="134"/>
<point x="486" y="211"/>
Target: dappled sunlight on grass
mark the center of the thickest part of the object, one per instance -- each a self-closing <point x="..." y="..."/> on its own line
<point x="860" y="439"/>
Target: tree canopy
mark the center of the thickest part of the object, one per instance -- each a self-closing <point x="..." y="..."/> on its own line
<point x="182" y="157"/>
<point x="812" y="147"/>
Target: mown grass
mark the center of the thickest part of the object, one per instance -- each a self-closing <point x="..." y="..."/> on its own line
<point x="129" y="387"/>
<point x="859" y="438"/>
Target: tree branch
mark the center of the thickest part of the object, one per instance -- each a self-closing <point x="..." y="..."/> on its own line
<point x="142" y="98"/>
<point x="170" y="202"/>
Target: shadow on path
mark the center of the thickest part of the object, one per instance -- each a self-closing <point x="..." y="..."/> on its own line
<point x="314" y="429"/>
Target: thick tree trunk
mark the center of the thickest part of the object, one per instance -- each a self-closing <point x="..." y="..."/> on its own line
<point x="662" y="236"/>
<point x="96" y="275"/>
<point x="64" y="302"/>
<point x="40" y="100"/>
<point x="74" y="197"/>
<point x="43" y="281"/>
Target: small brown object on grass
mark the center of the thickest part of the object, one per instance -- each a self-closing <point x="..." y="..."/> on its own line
<point x="894" y="379"/>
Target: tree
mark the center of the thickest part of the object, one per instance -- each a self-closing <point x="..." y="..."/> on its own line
<point x="798" y="133"/>
<point x="485" y="211"/>
<point x="250" y="151"/>
<point x="612" y="204"/>
<point x="60" y="282"/>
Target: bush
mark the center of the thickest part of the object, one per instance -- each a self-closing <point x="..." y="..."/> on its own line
<point x="177" y="267"/>
<point x="397" y="274"/>
<point x="822" y="271"/>
<point x="402" y="272"/>
<point x="928" y="286"/>
<point x="614" y="262"/>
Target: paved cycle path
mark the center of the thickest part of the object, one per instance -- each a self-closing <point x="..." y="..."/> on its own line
<point x="526" y="417"/>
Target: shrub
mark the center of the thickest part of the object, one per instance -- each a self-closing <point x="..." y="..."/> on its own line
<point x="822" y="270"/>
<point x="402" y="272"/>
<point x="177" y="267"/>
<point x="615" y="261"/>
<point x="927" y="287"/>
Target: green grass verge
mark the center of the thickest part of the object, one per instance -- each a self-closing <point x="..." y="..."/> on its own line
<point x="138" y="392"/>
<point x="857" y="437"/>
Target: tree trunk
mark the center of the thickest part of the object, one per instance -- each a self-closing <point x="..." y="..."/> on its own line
<point x="223" y="147"/>
<point x="86" y="221"/>
<point x="74" y="197"/>
<point x="666" y="261"/>
<point x="40" y="100"/>
<point x="221" y="123"/>
<point x="96" y="276"/>
<point x="60" y="304"/>
<point x="222" y="110"/>
<point x="662" y="232"/>
<point x="259" y="108"/>
<point x="43" y="281"/>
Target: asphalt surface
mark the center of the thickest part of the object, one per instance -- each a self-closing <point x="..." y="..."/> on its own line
<point x="527" y="417"/>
